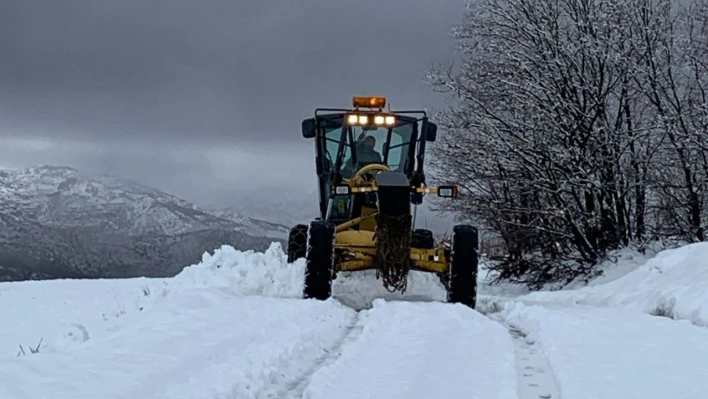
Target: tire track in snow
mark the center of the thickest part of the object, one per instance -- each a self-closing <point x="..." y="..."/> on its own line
<point x="294" y="385"/>
<point x="535" y="375"/>
<point x="536" y="378"/>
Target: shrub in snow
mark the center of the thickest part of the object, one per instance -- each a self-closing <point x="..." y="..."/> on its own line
<point x="32" y="350"/>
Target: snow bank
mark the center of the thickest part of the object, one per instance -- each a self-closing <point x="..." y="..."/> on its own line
<point x="672" y="284"/>
<point x="246" y="272"/>
<point x="616" y="353"/>
<point x="65" y="313"/>
<point x="62" y="314"/>
<point x="269" y="274"/>
<point x="420" y="350"/>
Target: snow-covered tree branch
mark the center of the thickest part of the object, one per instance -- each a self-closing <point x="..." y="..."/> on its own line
<point x="577" y="127"/>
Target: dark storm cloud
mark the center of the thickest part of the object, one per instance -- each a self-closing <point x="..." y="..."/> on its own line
<point x="203" y="99"/>
<point x="207" y="175"/>
<point x="213" y="71"/>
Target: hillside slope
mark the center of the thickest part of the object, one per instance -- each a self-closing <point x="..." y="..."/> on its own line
<point x="58" y="222"/>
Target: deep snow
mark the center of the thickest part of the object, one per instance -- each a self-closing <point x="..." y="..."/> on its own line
<point x="201" y="344"/>
<point x="672" y="284"/>
<point x="233" y="326"/>
<point x="616" y="353"/>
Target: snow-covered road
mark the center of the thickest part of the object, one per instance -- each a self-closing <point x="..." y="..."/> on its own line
<point x="594" y="352"/>
<point x="213" y="344"/>
<point x="420" y="350"/>
<point x="232" y="327"/>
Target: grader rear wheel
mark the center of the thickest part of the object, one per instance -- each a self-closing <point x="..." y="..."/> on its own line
<point x="423" y="238"/>
<point x="297" y="243"/>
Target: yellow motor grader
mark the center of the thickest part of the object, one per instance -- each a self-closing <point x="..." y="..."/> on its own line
<point x="369" y="164"/>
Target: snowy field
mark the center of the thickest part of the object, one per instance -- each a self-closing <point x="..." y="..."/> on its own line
<point x="233" y="326"/>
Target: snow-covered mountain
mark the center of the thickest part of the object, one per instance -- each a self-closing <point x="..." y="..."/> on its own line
<point x="59" y="222"/>
<point x="251" y="225"/>
<point x="280" y="205"/>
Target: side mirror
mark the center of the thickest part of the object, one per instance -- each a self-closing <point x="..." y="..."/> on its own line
<point x="309" y="128"/>
<point x="431" y="132"/>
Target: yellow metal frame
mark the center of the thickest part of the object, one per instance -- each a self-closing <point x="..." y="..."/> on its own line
<point x="355" y="251"/>
<point x="358" y="184"/>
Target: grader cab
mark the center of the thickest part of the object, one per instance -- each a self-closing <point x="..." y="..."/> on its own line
<point x="370" y="169"/>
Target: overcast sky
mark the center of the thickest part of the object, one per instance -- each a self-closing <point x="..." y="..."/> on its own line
<point x="194" y="96"/>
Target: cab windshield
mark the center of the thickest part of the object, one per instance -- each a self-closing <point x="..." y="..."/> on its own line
<point x="347" y="148"/>
<point x="366" y="145"/>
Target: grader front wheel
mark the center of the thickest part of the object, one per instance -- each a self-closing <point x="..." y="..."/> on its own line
<point x="319" y="260"/>
<point x="464" y="264"/>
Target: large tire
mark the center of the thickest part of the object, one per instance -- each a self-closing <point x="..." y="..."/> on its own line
<point x="464" y="264"/>
<point x="423" y="239"/>
<point x="297" y="243"/>
<point x="320" y="260"/>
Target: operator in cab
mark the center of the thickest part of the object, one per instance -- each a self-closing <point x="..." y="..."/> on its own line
<point x="366" y="154"/>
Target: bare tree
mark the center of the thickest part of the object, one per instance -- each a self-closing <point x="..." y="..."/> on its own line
<point x="673" y="54"/>
<point x="570" y="130"/>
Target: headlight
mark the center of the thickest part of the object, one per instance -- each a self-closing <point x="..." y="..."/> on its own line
<point x="363" y="119"/>
<point x="447" y="191"/>
<point x="341" y="190"/>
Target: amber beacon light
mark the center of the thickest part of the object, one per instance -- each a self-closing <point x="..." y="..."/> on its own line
<point x="369" y="102"/>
